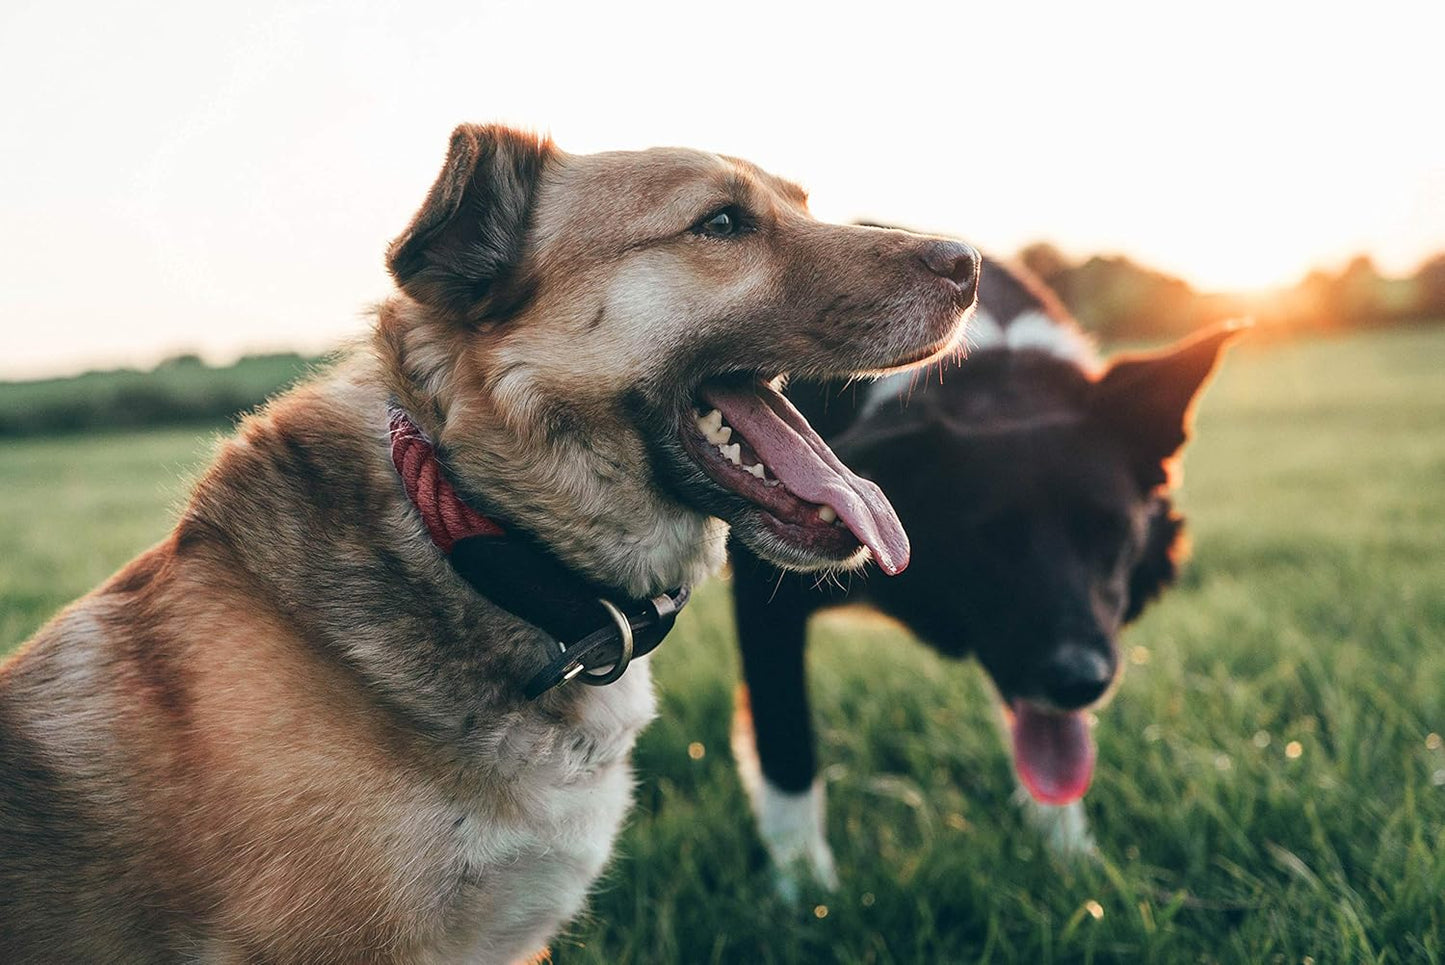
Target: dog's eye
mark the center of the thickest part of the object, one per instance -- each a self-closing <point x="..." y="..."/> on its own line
<point x="723" y="223"/>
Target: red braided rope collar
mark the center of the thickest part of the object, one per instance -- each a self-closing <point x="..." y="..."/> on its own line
<point x="448" y="519"/>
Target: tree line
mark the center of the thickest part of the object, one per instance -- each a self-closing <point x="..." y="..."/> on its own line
<point x="1113" y="297"/>
<point x="1120" y="300"/>
<point x="182" y="390"/>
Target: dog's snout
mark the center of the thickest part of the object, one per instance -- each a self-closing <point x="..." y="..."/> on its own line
<point x="1077" y="675"/>
<point x="952" y="260"/>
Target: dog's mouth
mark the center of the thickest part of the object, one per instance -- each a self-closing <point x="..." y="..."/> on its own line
<point x="750" y="440"/>
<point x="1053" y="751"/>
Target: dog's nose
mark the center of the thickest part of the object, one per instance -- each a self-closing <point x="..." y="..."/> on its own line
<point x="952" y="260"/>
<point x="1077" y="675"/>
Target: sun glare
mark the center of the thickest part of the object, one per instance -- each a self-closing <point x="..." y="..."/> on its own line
<point x="253" y="179"/>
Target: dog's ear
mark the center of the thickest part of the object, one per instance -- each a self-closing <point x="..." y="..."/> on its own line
<point x="1165" y="547"/>
<point x="1147" y="401"/>
<point x="459" y="255"/>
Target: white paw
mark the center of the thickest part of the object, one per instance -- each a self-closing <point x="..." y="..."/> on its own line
<point x="792" y="825"/>
<point x="792" y="828"/>
<point x="803" y="878"/>
<point x="1065" y="829"/>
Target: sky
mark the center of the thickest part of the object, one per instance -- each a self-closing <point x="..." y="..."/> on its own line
<point x="224" y="178"/>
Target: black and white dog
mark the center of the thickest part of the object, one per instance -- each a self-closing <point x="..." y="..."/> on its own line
<point x="1034" y="482"/>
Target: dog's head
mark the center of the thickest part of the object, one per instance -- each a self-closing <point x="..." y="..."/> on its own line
<point x="596" y="340"/>
<point x="1058" y="527"/>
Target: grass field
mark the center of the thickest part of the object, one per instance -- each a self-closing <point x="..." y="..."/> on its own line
<point x="1271" y="784"/>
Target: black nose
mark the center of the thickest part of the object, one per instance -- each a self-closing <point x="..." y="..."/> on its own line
<point x="1076" y="675"/>
<point x="952" y="260"/>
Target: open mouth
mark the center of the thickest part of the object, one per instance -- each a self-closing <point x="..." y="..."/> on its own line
<point x="750" y="441"/>
<point x="1053" y="751"/>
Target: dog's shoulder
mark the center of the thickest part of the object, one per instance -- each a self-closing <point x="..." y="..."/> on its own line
<point x="298" y="641"/>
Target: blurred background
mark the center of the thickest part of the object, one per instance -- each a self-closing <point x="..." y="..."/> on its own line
<point x="196" y="200"/>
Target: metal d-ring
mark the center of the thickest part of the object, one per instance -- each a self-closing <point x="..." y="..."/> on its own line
<point x="624" y="627"/>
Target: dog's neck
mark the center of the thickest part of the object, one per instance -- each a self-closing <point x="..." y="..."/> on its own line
<point x="595" y="625"/>
<point x="599" y="512"/>
<point x="569" y="497"/>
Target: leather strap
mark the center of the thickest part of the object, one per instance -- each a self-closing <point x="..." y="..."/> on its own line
<point x="596" y="631"/>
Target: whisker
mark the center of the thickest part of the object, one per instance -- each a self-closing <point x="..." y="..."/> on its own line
<point x="777" y="586"/>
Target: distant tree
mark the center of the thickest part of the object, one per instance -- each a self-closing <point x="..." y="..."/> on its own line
<point x="1119" y="299"/>
<point x="1359" y="292"/>
<point x="1430" y="288"/>
<point x="1044" y="260"/>
<point x="1314" y="302"/>
<point x="186" y="360"/>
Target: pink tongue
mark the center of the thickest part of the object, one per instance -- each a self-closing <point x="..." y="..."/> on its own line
<point x="1053" y="753"/>
<point x="804" y="464"/>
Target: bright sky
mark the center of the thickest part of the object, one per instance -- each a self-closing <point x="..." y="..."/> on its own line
<point x="224" y="177"/>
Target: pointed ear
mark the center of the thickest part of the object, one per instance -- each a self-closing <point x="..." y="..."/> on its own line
<point x="1147" y="401"/>
<point x="460" y="253"/>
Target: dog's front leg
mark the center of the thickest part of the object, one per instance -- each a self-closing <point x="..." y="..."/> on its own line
<point x="772" y="736"/>
<point x="792" y="824"/>
<point x="1065" y="829"/>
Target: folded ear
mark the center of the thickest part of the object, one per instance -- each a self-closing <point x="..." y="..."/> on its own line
<point x="461" y="251"/>
<point x="1147" y="401"/>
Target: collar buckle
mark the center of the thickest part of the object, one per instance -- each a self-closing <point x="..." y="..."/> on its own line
<point x="634" y="634"/>
<point x="624" y="632"/>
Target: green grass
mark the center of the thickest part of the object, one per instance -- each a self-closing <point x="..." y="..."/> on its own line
<point x="76" y="507"/>
<point x="1312" y="618"/>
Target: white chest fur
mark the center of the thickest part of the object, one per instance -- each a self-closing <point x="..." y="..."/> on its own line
<point x="521" y="872"/>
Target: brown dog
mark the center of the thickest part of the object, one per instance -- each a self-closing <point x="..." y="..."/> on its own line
<point x="292" y="732"/>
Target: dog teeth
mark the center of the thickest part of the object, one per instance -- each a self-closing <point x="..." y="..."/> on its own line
<point x="713" y="429"/>
<point x="827" y="514"/>
<point x="711" y="425"/>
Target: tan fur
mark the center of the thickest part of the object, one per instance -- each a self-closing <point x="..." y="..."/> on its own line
<point x="289" y="733"/>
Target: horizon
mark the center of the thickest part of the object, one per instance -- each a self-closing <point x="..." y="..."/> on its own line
<point x="232" y="177"/>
